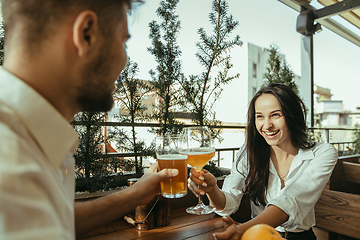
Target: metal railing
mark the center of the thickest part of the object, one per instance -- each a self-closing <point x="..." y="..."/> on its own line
<point x="217" y="151"/>
<point x="344" y="148"/>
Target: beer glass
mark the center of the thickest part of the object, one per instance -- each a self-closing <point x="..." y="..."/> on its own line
<point x="167" y="149"/>
<point x="200" y="149"/>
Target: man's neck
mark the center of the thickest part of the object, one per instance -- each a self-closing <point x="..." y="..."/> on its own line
<point x="47" y="77"/>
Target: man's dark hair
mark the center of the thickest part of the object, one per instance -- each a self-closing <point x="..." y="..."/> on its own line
<point x="39" y="19"/>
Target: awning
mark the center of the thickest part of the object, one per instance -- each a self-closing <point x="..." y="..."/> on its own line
<point x="352" y="17"/>
<point x="310" y="21"/>
<point x="347" y="9"/>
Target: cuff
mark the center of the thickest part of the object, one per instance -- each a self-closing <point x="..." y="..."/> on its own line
<point x="285" y="204"/>
<point x="232" y="203"/>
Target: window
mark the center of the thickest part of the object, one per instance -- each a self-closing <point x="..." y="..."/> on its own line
<point x="254" y="91"/>
<point x="254" y="70"/>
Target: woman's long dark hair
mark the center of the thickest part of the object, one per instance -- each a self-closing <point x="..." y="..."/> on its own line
<point x="257" y="149"/>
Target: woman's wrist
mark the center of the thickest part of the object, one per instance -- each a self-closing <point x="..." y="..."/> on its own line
<point x="214" y="190"/>
<point x="217" y="198"/>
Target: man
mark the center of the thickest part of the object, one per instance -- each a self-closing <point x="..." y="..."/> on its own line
<point x="61" y="57"/>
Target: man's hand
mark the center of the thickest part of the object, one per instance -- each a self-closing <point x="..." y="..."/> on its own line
<point x="106" y="209"/>
<point x="149" y="184"/>
<point x="232" y="231"/>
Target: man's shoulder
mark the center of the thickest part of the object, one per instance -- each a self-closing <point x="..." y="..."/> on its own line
<point x="9" y="119"/>
<point x="13" y="131"/>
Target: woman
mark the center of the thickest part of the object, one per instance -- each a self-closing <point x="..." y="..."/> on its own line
<point x="283" y="173"/>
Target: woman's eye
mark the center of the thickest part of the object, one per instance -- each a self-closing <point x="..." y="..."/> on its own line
<point x="276" y="115"/>
<point x="258" y="116"/>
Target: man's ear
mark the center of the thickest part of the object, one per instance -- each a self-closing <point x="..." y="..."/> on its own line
<point x="85" y="30"/>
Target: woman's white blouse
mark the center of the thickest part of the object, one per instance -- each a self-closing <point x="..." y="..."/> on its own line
<point x="308" y="175"/>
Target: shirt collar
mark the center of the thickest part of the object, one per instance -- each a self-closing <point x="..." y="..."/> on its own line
<point x="303" y="155"/>
<point x="49" y="128"/>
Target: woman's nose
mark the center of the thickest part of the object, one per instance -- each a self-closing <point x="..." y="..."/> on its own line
<point x="268" y="123"/>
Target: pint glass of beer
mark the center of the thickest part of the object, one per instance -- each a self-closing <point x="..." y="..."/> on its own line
<point x="168" y="155"/>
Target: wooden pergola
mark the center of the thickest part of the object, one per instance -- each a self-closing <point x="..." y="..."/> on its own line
<point x="310" y="21"/>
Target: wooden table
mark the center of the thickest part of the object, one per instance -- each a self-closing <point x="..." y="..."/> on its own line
<point x="182" y="226"/>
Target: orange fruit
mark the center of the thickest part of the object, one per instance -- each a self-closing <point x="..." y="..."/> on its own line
<point x="261" y="232"/>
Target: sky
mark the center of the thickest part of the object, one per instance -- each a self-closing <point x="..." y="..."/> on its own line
<point x="261" y="22"/>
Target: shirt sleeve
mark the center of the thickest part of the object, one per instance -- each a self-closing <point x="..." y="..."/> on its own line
<point x="234" y="185"/>
<point x="300" y="198"/>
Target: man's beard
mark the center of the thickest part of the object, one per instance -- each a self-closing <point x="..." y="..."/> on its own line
<point x="95" y="103"/>
<point x="94" y="94"/>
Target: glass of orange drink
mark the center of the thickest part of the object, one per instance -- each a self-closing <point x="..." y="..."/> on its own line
<point x="200" y="149"/>
<point x="168" y="153"/>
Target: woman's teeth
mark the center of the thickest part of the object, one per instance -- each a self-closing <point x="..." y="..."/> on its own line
<point x="271" y="133"/>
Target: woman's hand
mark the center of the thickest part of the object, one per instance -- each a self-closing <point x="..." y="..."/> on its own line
<point x="232" y="231"/>
<point x="203" y="179"/>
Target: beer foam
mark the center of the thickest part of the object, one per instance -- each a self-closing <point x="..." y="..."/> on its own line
<point x="172" y="157"/>
<point x="200" y="151"/>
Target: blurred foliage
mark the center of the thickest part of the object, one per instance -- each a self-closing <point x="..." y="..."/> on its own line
<point x="314" y="136"/>
<point x="93" y="164"/>
<point x="2" y="38"/>
<point x="357" y="138"/>
<point x="214" y="170"/>
<point x="278" y="71"/>
<point x="129" y="93"/>
<point x="89" y="158"/>
<point x="100" y="183"/>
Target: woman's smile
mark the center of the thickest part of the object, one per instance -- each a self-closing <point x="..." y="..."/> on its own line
<point x="272" y="133"/>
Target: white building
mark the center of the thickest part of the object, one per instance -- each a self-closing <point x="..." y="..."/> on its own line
<point x="251" y="62"/>
<point x="330" y="114"/>
<point x="257" y="64"/>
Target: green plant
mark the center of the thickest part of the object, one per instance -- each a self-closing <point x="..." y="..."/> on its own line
<point x="357" y="138"/>
<point x="91" y="137"/>
<point x="314" y="136"/>
<point x="92" y="162"/>
<point x="130" y="92"/>
<point x="100" y="183"/>
<point x="214" y="170"/>
<point x="2" y="38"/>
<point x="168" y="71"/>
<point x="278" y="71"/>
<point x="202" y="91"/>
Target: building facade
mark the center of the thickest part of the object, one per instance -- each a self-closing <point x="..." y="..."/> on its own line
<point x="328" y="112"/>
<point x="257" y="63"/>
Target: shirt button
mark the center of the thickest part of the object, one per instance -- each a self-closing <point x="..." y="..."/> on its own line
<point x="65" y="172"/>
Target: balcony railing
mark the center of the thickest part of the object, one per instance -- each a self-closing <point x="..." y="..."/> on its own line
<point x="344" y="148"/>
